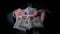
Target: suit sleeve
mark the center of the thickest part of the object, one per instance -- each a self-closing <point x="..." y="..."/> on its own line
<point x="10" y="17"/>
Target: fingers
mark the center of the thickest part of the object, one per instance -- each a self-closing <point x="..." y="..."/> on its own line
<point x="34" y="14"/>
<point x="18" y="12"/>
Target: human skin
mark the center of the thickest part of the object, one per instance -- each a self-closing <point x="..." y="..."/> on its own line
<point x="20" y="12"/>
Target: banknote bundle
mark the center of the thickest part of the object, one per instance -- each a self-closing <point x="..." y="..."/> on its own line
<point x="24" y="24"/>
<point x="36" y="22"/>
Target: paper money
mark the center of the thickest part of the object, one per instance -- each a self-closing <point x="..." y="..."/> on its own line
<point x="23" y="24"/>
<point x="36" y="22"/>
<point x="26" y="23"/>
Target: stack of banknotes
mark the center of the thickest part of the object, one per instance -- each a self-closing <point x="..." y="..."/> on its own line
<point x="26" y="24"/>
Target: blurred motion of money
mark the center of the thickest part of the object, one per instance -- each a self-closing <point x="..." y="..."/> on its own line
<point x="24" y="24"/>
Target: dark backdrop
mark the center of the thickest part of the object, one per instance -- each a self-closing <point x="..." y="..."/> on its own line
<point x="7" y="6"/>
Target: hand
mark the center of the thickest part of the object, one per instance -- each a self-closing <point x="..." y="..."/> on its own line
<point x="18" y="13"/>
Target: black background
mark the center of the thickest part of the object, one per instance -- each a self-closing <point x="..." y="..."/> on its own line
<point x="50" y="19"/>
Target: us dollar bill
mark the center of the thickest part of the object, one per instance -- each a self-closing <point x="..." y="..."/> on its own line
<point x="23" y="24"/>
<point x="36" y="22"/>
